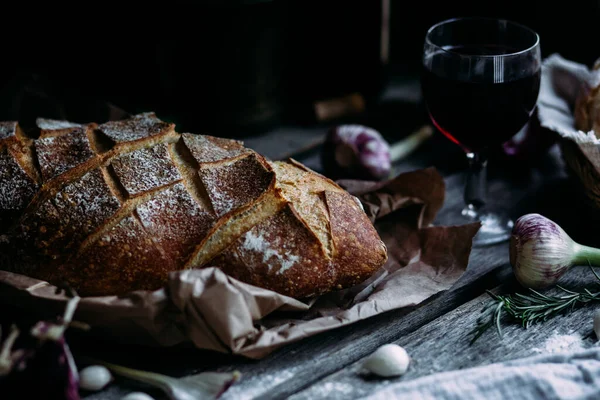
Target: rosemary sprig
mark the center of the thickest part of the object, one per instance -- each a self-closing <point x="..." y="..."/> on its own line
<point x="530" y="308"/>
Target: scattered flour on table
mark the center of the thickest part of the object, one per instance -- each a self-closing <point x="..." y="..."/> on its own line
<point x="255" y="387"/>
<point x="561" y="343"/>
<point x="328" y="390"/>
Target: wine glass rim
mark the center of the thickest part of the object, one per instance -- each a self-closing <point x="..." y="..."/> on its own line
<point x="507" y="21"/>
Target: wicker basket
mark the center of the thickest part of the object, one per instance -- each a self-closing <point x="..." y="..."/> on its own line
<point x="583" y="165"/>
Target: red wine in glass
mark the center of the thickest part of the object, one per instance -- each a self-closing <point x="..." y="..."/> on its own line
<point x="475" y="114"/>
<point x="480" y="81"/>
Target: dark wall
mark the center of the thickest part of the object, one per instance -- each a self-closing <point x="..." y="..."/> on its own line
<point x="570" y="28"/>
<point x="242" y="65"/>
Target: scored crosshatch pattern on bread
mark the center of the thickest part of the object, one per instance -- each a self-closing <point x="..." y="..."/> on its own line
<point x="20" y="147"/>
<point x="210" y="149"/>
<point x="145" y="169"/>
<point x="176" y="221"/>
<point x="86" y="204"/>
<point x="19" y="177"/>
<point x="139" y="127"/>
<point x="296" y="182"/>
<point x="58" y="153"/>
<point x="16" y="190"/>
<point x="233" y="184"/>
<point x="61" y="223"/>
<point x="124" y="203"/>
<point x="123" y="255"/>
<point x="188" y="168"/>
<point x="105" y="151"/>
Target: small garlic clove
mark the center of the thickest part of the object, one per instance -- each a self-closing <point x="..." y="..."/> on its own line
<point x="137" y="396"/>
<point x="387" y="361"/>
<point x="597" y="324"/>
<point x="94" y="378"/>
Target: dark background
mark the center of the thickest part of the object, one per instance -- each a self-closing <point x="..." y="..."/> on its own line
<point x="238" y="68"/>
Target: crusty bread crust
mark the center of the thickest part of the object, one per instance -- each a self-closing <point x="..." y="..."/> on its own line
<point x="113" y="208"/>
<point x="587" y="111"/>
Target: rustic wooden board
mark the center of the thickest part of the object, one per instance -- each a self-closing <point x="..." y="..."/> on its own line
<point x="290" y="369"/>
<point x="443" y="344"/>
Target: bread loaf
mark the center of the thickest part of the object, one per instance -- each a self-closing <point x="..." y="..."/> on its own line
<point x="112" y="208"/>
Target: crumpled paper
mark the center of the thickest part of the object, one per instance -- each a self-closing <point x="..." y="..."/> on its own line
<point x="562" y="82"/>
<point x="216" y="312"/>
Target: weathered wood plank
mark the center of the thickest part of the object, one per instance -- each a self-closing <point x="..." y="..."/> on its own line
<point x="443" y="344"/>
<point x="290" y="369"/>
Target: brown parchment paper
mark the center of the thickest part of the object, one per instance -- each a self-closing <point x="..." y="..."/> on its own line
<point x="216" y="312"/>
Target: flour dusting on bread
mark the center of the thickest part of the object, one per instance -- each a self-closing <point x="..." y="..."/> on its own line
<point x="123" y="204"/>
<point x="275" y="249"/>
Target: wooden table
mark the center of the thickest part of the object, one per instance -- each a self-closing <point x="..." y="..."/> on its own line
<point x="435" y="333"/>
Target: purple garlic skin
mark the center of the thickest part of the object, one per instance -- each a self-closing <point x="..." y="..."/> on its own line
<point x="356" y="151"/>
<point x="45" y="372"/>
<point x="42" y="366"/>
<point x="540" y="251"/>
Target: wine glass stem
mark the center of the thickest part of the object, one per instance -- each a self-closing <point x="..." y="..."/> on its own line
<point x="475" y="187"/>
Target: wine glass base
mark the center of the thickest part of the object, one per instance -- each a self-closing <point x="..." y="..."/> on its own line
<point x="495" y="227"/>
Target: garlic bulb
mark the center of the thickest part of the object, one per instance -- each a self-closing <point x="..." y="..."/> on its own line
<point x="356" y="151"/>
<point x="387" y="361"/>
<point x="541" y="252"/>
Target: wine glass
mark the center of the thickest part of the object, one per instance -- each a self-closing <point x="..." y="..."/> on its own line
<point x="480" y="81"/>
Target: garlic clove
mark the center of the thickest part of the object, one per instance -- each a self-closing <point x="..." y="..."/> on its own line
<point x="137" y="396"/>
<point x="94" y="378"/>
<point x="387" y="361"/>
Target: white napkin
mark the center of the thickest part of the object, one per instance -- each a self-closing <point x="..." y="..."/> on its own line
<point x="562" y="80"/>
<point x="572" y="376"/>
